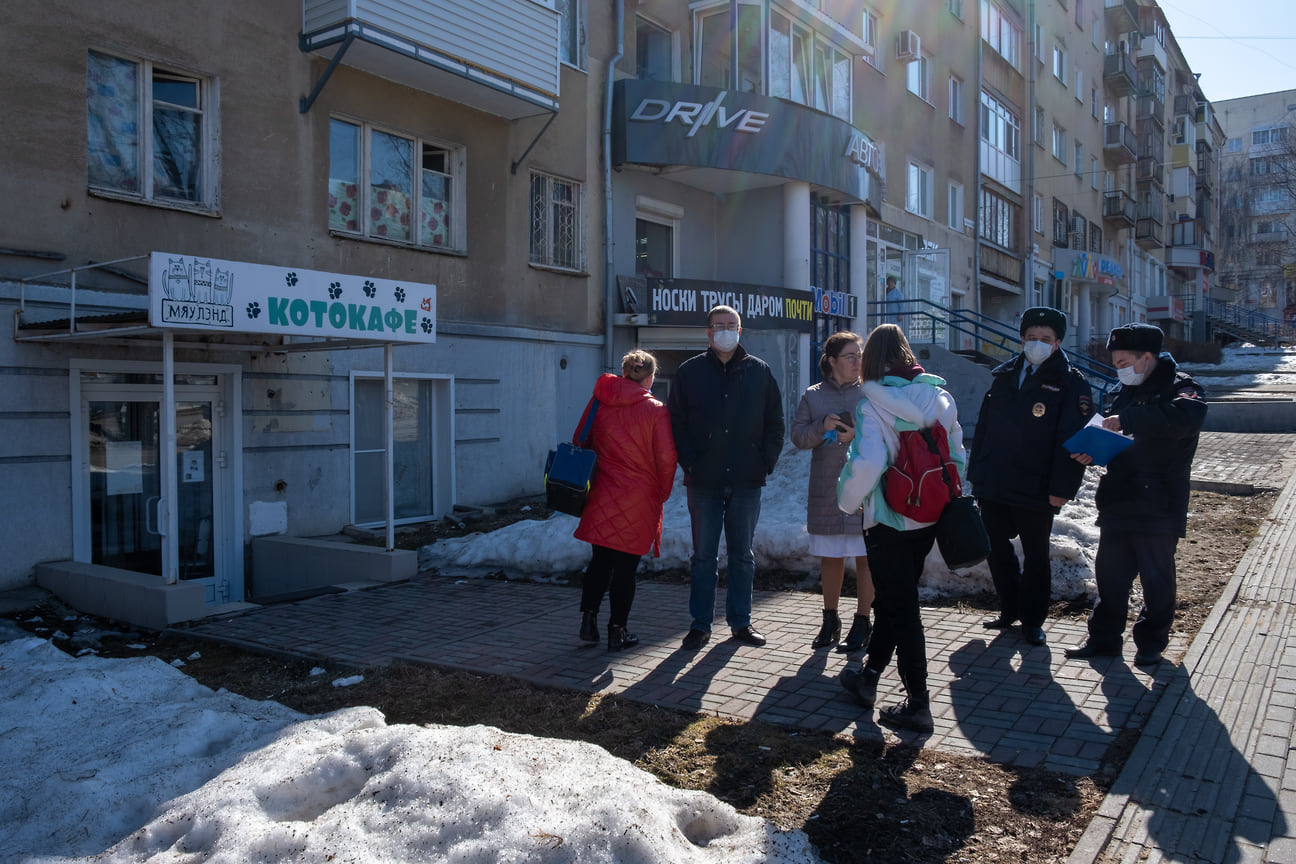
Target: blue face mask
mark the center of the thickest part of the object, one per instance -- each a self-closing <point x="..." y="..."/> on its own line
<point x="1036" y="352"/>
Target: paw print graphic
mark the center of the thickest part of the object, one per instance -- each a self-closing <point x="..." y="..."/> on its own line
<point x="254" y="309"/>
<point x="335" y="290"/>
<point x="400" y="294"/>
<point x="291" y="279"/>
<point x="427" y="325"/>
<point x="370" y="289"/>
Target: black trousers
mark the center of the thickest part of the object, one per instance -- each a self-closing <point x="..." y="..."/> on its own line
<point x="896" y="563"/>
<point x="1122" y="555"/>
<point x="1023" y="589"/>
<point x="613" y="572"/>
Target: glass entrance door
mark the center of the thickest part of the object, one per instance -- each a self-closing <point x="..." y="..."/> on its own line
<point x="124" y="437"/>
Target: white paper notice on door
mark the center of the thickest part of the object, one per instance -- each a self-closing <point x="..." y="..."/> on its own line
<point x="124" y="463"/>
<point x="193" y="469"/>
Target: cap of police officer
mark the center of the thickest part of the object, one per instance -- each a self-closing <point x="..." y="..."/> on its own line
<point x="1044" y="316"/>
<point x="1136" y="337"/>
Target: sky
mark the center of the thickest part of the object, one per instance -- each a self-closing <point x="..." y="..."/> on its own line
<point x="1240" y="47"/>
<point x="130" y="760"/>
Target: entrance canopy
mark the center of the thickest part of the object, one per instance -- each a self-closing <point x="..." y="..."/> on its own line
<point x="210" y="304"/>
<point x="237" y="306"/>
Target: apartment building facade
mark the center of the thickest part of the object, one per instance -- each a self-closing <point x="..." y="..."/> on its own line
<point x="517" y="205"/>
<point x="1258" y="196"/>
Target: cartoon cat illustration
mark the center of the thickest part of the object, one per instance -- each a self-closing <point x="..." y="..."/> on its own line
<point x="176" y="283"/>
<point x="202" y="281"/>
<point x="223" y="287"/>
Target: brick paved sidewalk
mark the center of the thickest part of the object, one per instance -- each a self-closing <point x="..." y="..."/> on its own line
<point x="993" y="694"/>
<point x="1213" y="776"/>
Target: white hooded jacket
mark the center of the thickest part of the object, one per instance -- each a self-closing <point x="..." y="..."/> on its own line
<point x="889" y="407"/>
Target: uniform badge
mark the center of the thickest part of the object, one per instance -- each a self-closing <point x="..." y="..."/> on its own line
<point x="1038" y="409"/>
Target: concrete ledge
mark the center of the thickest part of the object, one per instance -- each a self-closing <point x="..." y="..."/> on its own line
<point x="284" y="565"/>
<point x="123" y="595"/>
<point x="1259" y="415"/>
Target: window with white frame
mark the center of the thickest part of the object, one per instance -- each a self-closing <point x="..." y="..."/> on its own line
<point x="1059" y="63"/>
<point x="571" y="33"/>
<point x="1000" y="128"/>
<point x="1093" y="102"/>
<point x="918" y="189"/>
<point x="1077" y="163"/>
<point x="954" y="206"/>
<point x="1039" y="42"/>
<point x="998" y="219"/>
<point x="1079" y="86"/>
<point x="1037" y="214"/>
<point x="388" y="186"/>
<point x="1093" y="173"/>
<point x="1038" y="131"/>
<point x="150" y="131"/>
<point x="1059" y="144"/>
<point x="1000" y="30"/>
<point x="1262" y="137"/>
<point x="421" y="449"/>
<point x="654" y="51"/>
<point x="1095" y="33"/>
<point x="1234" y="145"/>
<point x="918" y="77"/>
<point x="869" y="28"/>
<point x="956" y="8"/>
<point x="956" y="99"/>
<point x="556" y="222"/>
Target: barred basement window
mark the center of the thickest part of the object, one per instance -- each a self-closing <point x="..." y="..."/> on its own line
<point x="556" y="235"/>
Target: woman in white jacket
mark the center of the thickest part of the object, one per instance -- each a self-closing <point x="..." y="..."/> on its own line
<point x="898" y="395"/>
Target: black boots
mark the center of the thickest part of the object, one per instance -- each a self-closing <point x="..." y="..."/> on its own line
<point x="589" y="627"/>
<point x="830" y="632"/>
<point x="619" y="639"/>
<point x="862" y="684"/>
<point x="914" y="712"/>
<point x="858" y="637"/>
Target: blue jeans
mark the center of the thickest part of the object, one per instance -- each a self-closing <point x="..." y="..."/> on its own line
<point x="735" y="511"/>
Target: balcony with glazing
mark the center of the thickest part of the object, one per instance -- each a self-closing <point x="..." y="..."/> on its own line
<point x="1149" y="111"/>
<point x="1118" y="208"/>
<point x="1121" y="16"/>
<point x="1149" y="216"/>
<point x="1150" y="171"/>
<point x="1205" y="169"/>
<point x="505" y="63"/>
<point x="1120" y="145"/>
<point x="1120" y="73"/>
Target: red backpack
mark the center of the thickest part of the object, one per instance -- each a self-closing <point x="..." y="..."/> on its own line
<point x="923" y="478"/>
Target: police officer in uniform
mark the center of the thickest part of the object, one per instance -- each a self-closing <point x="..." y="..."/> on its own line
<point x="1021" y="474"/>
<point x="1143" y="498"/>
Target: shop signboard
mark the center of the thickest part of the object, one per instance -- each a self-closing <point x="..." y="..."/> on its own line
<point x="198" y="292"/>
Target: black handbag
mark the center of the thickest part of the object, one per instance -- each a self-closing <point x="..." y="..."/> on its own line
<point x="961" y="535"/>
<point x="568" y="470"/>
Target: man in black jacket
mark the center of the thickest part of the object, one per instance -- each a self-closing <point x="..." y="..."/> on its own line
<point x="727" y="418"/>
<point x="1021" y="474"/>
<point x="1143" y="499"/>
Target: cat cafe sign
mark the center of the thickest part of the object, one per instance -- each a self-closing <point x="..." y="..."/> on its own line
<point x="195" y="292"/>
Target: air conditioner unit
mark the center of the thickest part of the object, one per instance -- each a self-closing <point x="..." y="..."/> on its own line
<point x="908" y="46"/>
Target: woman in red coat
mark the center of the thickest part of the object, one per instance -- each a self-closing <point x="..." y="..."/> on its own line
<point x="632" y="479"/>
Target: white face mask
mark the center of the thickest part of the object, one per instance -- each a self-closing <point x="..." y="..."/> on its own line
<point x="725" y="340"/>
<point x="1129" y="377"/>
<point x="1036" y="352"/>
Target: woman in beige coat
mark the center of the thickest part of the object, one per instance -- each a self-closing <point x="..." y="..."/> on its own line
<point x="823" y="424"/>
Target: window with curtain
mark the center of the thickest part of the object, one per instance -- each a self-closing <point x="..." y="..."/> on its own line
<point x="148" y="131"/>
<point x="392" y="187"/>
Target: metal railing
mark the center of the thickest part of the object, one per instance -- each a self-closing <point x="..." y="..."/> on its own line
<point x="925" y="321"/>
<point x="1249" y="321"/>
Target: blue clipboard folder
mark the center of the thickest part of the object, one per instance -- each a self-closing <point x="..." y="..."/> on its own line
<point x="1102" y="444"/>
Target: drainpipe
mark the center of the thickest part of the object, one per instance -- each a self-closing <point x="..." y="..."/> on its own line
<point x="609" y="265"/>
<point x="1028" y="204"/>
<point x="976" y="191"/>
